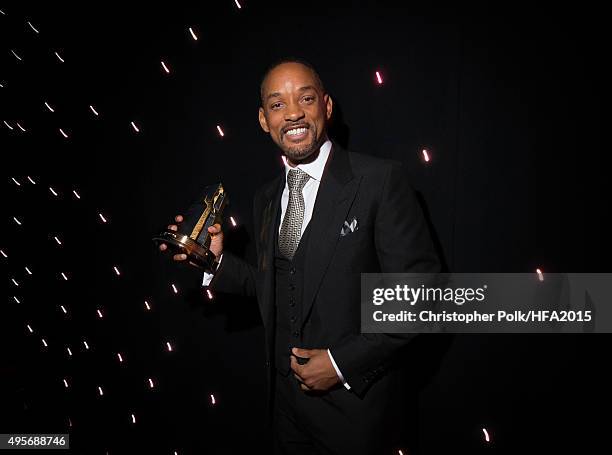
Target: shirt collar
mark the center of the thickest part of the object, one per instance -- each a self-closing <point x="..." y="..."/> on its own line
<point x="315" y="168"/>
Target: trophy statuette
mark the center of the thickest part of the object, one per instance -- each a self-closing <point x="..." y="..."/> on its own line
<point x="192" y="237"/>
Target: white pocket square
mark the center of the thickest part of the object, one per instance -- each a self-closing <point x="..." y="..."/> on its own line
<point x="347" y="228"/>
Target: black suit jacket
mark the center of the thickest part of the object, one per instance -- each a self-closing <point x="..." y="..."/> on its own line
<point x="392" y="236"/>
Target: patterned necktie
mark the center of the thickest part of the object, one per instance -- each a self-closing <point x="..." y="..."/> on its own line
<point x="291" y="229"/>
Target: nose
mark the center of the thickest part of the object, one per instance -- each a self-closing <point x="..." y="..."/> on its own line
<point x="294" y="112"/>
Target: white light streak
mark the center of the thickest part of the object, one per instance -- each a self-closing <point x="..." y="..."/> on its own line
<point x="63" y="309"/>
<point x="486" y="434"/>
<point x="3" y="253"/>
<point x="17" y="221"/>
<point x="57" y="240"/>
<point x="120" y="357"/>
<point x="32" y="181"/>
<point x="540" y="275"/>
<point x="165" y="67"/>
<point x="117" y="271"/>
<point x="44" y="342"/>
<point x="212" y="399"/>
<point x="425" y="155"/>
<point x="69" y="351"/>
<point x="169" y="346"/>
<point x="21" y="127"/>
<point x="237" y="4"/>
<point x="28" y="270"/>
<point x="379" y="77"/>
<point x="16" y="299"/>
<point x="63" y="133"/>
<point x="49" y="107"/>
<point x="100" y="391"/>
<point x="102" y="218"/>
<point x="7" y="125"/>
<point x="15" y="282"/>
<point x="65" y="383"/>
<point x="151" y="385"/>
<point x="233" y="221"/>
<point x="16" y="56"/>
<point x="76" y="194"/>
<point x="220" y="131"/>
<point x="135" y="127"/>
<point x="59" y="57"/>
<point x="133" y="418"/>
<point x="147" y="306"/>
<point x="209" y="294"/>
<point x="64" y="276"/>
<point x="174" y="289"/>
<point x="93" y="109"/>
<point x="193" y="35"/>
<point x="16" y="182"/>
<point x="52" y="191"/>
<point x="29" y="328"/>
<point x="86" y="345"/>
<point x="99" y="313"/>
<point x="32" y="27"/>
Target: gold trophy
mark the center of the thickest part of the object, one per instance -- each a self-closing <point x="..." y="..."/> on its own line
<point x="192" y="237"/>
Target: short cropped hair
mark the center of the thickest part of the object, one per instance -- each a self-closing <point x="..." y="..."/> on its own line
<point x="283" y="60"/>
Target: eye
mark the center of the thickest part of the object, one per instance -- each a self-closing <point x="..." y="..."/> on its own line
<point x="275" y="105"/>
<point x="309" y="98"/>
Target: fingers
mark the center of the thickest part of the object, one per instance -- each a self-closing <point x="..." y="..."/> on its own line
<point x="179" y="257"/>
<point x="303" y="386"/>
<point x="173" y="227"/>
<point x="215" y="229"/>
<point x="305" y="353"/>
<point x="163" y="247"/>
<point x="295" y="366"/>
<point x="178" y="218"/>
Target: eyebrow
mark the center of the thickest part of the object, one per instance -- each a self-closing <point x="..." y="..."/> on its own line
<point x="301" y="89"/>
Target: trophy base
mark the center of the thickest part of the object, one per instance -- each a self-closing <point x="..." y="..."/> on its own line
<point x="181" y="243"/>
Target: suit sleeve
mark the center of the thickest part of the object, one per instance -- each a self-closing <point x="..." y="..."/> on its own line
<point x="403" y="244"/>
<point x="235" y="275"/>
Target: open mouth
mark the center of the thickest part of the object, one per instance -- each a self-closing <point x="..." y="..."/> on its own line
<point x="296" y="134"/>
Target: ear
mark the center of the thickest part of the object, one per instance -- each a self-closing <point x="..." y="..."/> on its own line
<point x="329" y="105"/>
<point x="262" y="120"/>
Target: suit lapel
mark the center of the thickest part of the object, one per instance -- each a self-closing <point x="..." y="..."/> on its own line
<point x="270" y="213"/>
<point x="335" y="196"/>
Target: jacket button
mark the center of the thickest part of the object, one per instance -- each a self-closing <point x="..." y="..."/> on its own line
<point x="296" y="334"/>
<point x="292" y="270"/>
<point x="292" y="318"/>
<point x="291" y="302"/>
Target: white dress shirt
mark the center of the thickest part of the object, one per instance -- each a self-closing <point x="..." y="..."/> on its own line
<point x="315" y="170"/>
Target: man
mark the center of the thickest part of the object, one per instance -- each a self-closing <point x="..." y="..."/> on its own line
<point x="329" y="217"/>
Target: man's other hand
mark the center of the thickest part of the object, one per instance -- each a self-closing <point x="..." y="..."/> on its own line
<point x="318" y="374"/>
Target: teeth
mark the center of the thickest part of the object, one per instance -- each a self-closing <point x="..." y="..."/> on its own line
<point x="296" y="131"/>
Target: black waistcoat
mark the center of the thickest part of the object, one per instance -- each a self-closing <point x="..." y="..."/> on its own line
<point x="288" y="300"/>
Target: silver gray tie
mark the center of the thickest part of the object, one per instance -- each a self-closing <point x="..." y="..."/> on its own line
<point x="291" y="229"/>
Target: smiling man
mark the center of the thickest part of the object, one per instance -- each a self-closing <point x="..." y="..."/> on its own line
<point x="330" y="216"/>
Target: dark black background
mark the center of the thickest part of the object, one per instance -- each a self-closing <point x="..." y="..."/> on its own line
<point x="508" y="102"/>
